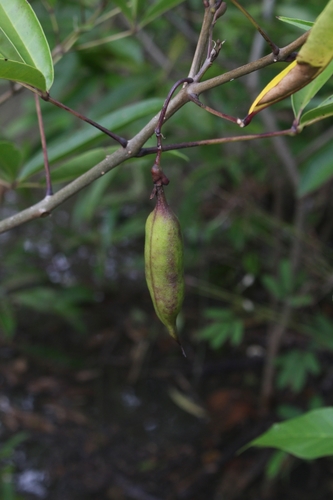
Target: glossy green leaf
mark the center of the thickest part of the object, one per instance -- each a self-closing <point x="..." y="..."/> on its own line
<point x="157" y="9"/>
<point x="317" y="171"/>
<point x="308" y="436"/>
<point x="325" y="110"/>
<point x="299" y="23"/>
<point x="67" y="145"/>
<point x="10" y="161"/>
<point x="23" y="41"/>
<point x="22" y="73"/>
<point x="302" y="98"/>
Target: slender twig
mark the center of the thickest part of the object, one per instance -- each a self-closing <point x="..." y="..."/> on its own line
<point x="134" y="146"/>
<point x="274" y="47"/>
<point x="166" y="104"/>
<point x="48" y="98"/>
<point x="159" y="178"/>
<point x="219" y="140"/>
<point x="202" y="45"/>
<point x="49" y="190"/>
<point x="102" y="41"/>
<point x="15" y="88"/>
<point x="283" y="311"/>
<point x="197" y="101"/>
<point x="278" y="331"/>
<point x="199" y="87"/>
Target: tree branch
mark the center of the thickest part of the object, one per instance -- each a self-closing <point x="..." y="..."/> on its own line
<point x="49" y="203"/>
<point x="198" y="88"/>
<point x="134" y="146"/>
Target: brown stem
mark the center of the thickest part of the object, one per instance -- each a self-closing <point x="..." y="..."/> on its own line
<point x="166" y="104"/>
<point x="120" y="140"/>
<point x="197" y="101"/>
<point x="219" y="140"/>
<point x="274" y="47"/>
<point x="278" y="331"/>
<point x="201" y="49"/>
<point x="134" y="145"/>
<point x="49" y="190"/>
<point x="199" y="87"/>
<point x="159" y="178"/>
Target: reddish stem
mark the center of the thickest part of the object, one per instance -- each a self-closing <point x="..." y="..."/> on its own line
<point x="49" y="190"/>
<point x="121" y="140"/>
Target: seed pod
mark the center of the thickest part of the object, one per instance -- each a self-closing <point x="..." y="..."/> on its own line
<point x="164" y="263"/>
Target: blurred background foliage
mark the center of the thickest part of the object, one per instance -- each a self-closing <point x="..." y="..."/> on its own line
<point x="235" y="201"/>
<point x="68" y="275"/>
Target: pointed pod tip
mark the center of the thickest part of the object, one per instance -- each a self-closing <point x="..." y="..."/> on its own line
<point x="174" y="334"/>
<point x="182" y="348"/>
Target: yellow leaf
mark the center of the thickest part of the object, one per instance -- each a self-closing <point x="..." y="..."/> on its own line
<point x="312" y="59"/>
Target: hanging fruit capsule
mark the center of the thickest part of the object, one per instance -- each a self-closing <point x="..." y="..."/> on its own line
<point x="164" y="262"/>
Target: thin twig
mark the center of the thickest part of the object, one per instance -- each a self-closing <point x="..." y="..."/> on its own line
<point x="274" y="47"/>
<point x="198" y="88"/>
<point x="134" y="146"/>
<point x="202" y="45"/>
<point x="159" y="178"/>
<point x="102" y="41"/>
<point x="218" y="140"/>
<point x="120" y="140"/>
<point x="196" y="101"/>
<point x="49" y="190"/>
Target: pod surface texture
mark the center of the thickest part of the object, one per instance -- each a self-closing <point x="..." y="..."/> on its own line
<point x="164" y="263"/>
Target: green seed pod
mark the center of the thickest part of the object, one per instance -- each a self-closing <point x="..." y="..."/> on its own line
<point x="164" y="263"/>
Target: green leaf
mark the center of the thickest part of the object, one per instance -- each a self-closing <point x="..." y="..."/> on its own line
<point x="209" y="331"/>
<point x="302" y="98"/>
<point x="321" y="331"/>
<point x="7" y="319"/>
<point x="275" y="464"/>
<point x="22" y="73"/>
<point x="80" y="164"/>
<point x="63" y="302"/>
<point x="317" y="51"/>
<point x="325" y="110"/>
<point x="68" y="144"/>
<point x="237" y="332"/>
<point x="7" y="448"/>
<point x="317" y="171"/>
<point x="23" y="41"/>
<point x="218" y="314"/>
<point x="300" y="300"/>
<point x="299" y="23"/>
<point x="221" y="337"/>
<point x="157" y="9"/>
<point x="286" y="277"/>
<point x="10" y="161"/>
<point x="294" y="369"/>
<point x="309" y="436"/>
<point x="272" y="286"/>
<point x="125" y="8"/>
<point x="312" y="59"/>
<point x="88" y="203"/>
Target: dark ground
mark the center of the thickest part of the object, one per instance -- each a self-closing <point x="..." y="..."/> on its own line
<point x="117" y="415"/>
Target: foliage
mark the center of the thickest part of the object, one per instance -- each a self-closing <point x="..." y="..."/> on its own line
<point x="226" y="326"/>
<point x="258" y="243"/>
<point x="7" y="468"/>
<point x="308" y="436"/>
